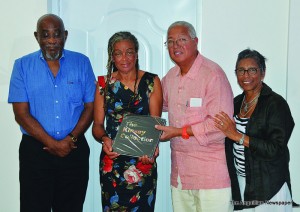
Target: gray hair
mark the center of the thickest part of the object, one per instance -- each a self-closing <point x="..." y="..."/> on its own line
<point x="110" y="66"/>
<point x="190" y="28"/>
<point x="120" y="36"/>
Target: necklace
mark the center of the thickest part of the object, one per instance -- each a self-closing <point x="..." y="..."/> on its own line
<point x="247" y="106"/>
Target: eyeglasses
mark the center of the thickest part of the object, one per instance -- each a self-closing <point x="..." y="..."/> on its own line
<point x="128" y="54"/>
<point x="250" y="71"/>
<point x="179" y="41"/>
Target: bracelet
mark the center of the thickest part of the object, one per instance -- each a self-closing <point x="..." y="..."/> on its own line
<point x="184" y="133"/>
<point x="241" y="141"/>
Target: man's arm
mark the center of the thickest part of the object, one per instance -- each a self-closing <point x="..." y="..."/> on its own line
<point x="85" y="120"/>
<point x="219" y="97"/>
<point x="34" y="129"/>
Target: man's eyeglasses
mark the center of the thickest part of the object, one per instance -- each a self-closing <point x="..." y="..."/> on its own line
<point x="250" y="71"/>
<point x="179" y="41"/>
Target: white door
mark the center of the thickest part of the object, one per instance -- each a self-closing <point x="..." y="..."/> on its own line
<point x="90" y="24"/>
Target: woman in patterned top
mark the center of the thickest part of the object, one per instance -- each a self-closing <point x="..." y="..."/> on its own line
<point x="127" y="183"/>
<point x="257" y="140"/>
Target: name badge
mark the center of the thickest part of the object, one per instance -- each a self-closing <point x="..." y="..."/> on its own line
<point x="195" y="102"/>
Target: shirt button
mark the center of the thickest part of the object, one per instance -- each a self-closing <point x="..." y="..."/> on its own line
<point x="56" y="101"/>
<point x="55" y="86"/>
<point x="57" y="117"/>
<point x="57" y="133"/>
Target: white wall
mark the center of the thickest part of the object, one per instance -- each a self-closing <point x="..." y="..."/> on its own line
<point x="239" y="24"/>
<point x="271" y="27"/>
<point x="17" y="21"/>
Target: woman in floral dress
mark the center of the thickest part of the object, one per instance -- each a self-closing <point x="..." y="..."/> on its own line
<point x="127" y="183"/>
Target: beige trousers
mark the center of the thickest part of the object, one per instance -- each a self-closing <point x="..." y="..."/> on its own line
<point x="203" y="200"/>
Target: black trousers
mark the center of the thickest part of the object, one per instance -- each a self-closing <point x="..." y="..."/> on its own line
<point x="48" y="182"/>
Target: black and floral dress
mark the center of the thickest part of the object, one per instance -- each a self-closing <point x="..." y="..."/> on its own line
<point x="126" y="183"/>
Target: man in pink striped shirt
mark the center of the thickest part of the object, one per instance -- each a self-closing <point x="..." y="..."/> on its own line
<point x="194" y="90"/>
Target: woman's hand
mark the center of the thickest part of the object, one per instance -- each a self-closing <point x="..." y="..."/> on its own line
<point x="107" y="147"/>
<point x="146" y="160"/>
<point x="156" y="153"/>
<point x="227" y="126"/>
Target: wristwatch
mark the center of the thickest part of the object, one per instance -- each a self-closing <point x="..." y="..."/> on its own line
<point x="241" y="141"/>
<point x="184" y="133"/>
<point x="74" y="139"/>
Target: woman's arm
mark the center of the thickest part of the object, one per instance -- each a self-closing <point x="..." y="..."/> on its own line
<point x="98" y="130"/>
<point x="156" y="98"/>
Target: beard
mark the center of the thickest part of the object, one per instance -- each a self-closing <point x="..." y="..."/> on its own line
<point x="52" y="52"/>
<point x="53" y="56"/>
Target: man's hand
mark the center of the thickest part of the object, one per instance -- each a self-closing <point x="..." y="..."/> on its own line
<point x="61" y="148"/>
<point x="168" y="132"/>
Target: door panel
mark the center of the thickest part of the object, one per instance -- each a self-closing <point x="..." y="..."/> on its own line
<point x="90" y="24"/>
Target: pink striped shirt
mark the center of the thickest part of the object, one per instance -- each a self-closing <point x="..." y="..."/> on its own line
<point x="199" y="161"/>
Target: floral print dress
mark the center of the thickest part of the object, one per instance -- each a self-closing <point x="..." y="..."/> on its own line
<point x="126" y="183"/>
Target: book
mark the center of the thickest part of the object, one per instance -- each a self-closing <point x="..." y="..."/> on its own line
<point x="137" y="135"/>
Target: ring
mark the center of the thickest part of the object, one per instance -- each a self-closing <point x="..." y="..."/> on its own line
<point x="222" y="123"/>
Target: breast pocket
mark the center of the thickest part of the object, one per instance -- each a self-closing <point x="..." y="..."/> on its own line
<point x="74" y="93"/>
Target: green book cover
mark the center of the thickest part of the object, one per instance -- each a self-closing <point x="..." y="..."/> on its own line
<point x="137" y="135"/>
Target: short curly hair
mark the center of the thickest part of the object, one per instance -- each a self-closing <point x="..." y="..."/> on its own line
<point x="255" y="55"/>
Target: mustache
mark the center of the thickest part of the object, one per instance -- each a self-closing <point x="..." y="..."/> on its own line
<point x="52" y="45"/>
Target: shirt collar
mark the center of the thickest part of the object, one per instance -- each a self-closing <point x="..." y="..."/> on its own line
<point x="192" y="73"/>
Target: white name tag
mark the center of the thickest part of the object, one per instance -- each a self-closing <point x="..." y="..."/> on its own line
<point x="195" y="102"/>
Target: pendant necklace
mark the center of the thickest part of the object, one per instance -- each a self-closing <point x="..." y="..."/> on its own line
<point x="246" y="106"/>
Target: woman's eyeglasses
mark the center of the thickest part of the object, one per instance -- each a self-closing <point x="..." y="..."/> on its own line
<point x="250" y="71"/>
